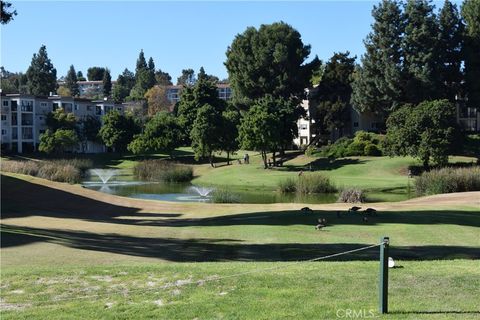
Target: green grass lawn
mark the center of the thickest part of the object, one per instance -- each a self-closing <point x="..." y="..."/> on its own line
<point x="82" y="258"/>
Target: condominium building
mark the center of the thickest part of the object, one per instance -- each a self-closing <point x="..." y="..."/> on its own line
<point x="23" y="119"/>
<point x="90" y="88"/>
<point x="174" y="92"/>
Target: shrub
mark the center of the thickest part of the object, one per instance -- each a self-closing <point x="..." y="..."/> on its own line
<point x="56" y="170"/>
<point x="287" y="185"/>
<point x="81" y="164"/>
<point x="448" y="180"/>
<point x="161" y="170"/>
<point x="351" y="195"/>
<point x="224" y="196"/>
<point x="356" y="148"/>
<point x="310" y="151"/>
<point x="314" y="183"/>
<point x="371" y="150"/>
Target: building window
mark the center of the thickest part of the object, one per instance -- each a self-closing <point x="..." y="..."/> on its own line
<point x="355" y="124"/>
<point x="5" y="103"/>
<point x="119" y="108"/>
<point x="14" y="105"/>
<point x="4" y="132"/>
<point x="76" y="107"/>
<point x="303" y="126"/>
<point x="41" y="131"/>
<point x="27" y="133"/>
<point x="43" y="104"/>
<point x="98" y="110"/>
<point x="89" y="108"/>
<point x="14" y="134"/>
<point x="4" y="117"/>
<point x="14" y="119"/>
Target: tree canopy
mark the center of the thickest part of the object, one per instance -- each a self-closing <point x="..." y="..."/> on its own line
<point x="71" y="82"/>
<point x="6" y="14"/>
<point x="107" y="83"/>
<point x="118" y="130"/>
<point x="95" y="73"/>
<point x="41" y="75"/>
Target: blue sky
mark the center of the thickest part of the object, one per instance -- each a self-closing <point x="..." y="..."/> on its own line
<point x="177" y="35"/>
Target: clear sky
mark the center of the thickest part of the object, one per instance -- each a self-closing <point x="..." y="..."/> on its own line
<point x="178" y="35"/>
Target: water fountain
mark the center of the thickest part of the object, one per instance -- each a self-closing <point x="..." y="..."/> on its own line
<point x="104" y="174"/>
<point x="201" y="191"/>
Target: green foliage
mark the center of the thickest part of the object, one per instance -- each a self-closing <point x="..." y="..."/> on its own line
<point x="58" y="119"/>
<point x="314" y="183"/>
<point x="352" y="195"/>
<point x="144" y="77"/>
<point x="287" y="185"/>
<point x="41" y="75"/>
<point x="206" y="132"/>
<point x="124" y="85"/>
<point x="91" y="129"/>
<point x="187" y="78"/>
<point x="193" y="98"/>
<point x="118" y="130"/>
<point x="377" y="85"/>
<point x="471" y="13"/>
<point x="447" y="180"/>
<point x="95" y="73"/>
<point x="161" y="133"/>
<point x="161" y="170"/>
<point x="107" y="83"/>
<point x="371" y="149"/>
<point x="229" y="132"/>
<point x="269" y="61"/>
<point x="163" y="78"/>
<point x="224" y="196"/>
<point x="58" y="141"/>
<point x="332" y="97"/>
<point x="363" y="144"/>
<point x="6" y="14"/>
<point x="259" y="128"/>
<point x="71" y="82"/>
<point x="424" y="131"/>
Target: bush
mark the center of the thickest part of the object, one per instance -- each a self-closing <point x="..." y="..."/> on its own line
<point x="57" y="170"/>
<point x="81" y="164"/>
<point x="161" y="170"/>
<point x="287" y="185"/>
<point x="356" y="148"/>
<point x="371" y="150"/>
<point x="314" y="183"/>
<point x="351" y="195"/>
<point x="310" y="151"/>
<point x="448" y="180"/>
<point x="224" y="196"/>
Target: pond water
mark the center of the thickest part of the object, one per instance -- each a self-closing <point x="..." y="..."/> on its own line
<point x="181" y="192"/>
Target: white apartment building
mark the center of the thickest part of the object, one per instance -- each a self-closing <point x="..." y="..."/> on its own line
<point x="174" y="92"/>
<point x="23" y="119"/>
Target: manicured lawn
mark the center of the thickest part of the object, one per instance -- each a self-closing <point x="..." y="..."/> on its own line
<point x="73" y="253"/>
<point x="418" y="290"/>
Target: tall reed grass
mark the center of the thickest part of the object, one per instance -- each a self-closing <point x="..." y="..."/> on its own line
<point x="351" y="195"/>
<point x="161" y="170"/>
<point x="224" y="196"/>
<point x="307" y="183"/>
<point x="448" y="180"/>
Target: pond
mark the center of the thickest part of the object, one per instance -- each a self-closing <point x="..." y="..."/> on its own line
<point x="108" y="181"/>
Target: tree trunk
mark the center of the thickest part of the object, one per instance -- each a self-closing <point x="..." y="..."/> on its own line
<point x="425" y="161"/>
<point x="274" y="157"/>
<point x="264" y="158"/>
<point x="228" y="158"/>
<point x="211" y="160"/>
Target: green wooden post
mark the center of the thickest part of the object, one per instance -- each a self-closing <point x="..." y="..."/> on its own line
<point x="383" y="283"/>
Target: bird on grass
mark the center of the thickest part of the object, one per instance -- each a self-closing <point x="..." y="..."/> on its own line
<point x="306" y="210"/>
<point x="365" y="219"/>
<point x="322" y="223"/>
<point x="354" y="208"/>
<point x="370" y="211"/>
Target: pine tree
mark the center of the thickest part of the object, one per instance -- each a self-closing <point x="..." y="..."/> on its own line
<point x="471" y="14"/>
<point x="450" y="50"/>
<point x="107" y="83"/>
<point x="71" y="82"/>
<point x="141" y="62"/>
<point x="41" y="75"/>
<point x="421" y="51"/>
<point x="377" y="83"/>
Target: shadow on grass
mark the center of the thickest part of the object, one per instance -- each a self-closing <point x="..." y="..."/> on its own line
<point x="325" y="164"/>
<point x="200" y="249"/>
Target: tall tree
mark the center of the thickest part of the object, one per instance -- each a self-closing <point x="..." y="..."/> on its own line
<point x="124" y="84"/>
<point x="118" y="130"/>
<point x="332" y="96"/>
<point x="258" y="129"/>
<point x="187" y="78"/>
<point x="471" y="16"/>
<point x="144" y="77"/>
<point x="157" y="100"/>
<point x="6" y="15"/>
<point x="163" y="78"/>
<point x="229" y="132"/>
<point x="206" y="133"/>
<point x="193" y="98"/>
<point x="426" y="131"/>
<point x="161" y="133"/>
<point x="95" y="73"/>
<point x="377" y="85"/>
<point x="41" y="75"/>
<point x="420" y="46"/>
<point x="450" y="50"/>
<point x="141" y="62"/>
<point x="107" y="83"/>
<point x="71" y="82"/>
<point x="270" y="60"/>
<point x="80" y="76"/>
